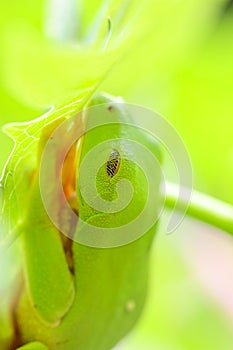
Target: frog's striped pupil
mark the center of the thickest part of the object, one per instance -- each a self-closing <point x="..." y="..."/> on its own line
<point x="113" y="163"/>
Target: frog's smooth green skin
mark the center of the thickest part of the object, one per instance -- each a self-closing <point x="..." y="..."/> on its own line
<point x="6" y="329"/>
<point x="100" y="300"/>
<point x="33" y="346"/>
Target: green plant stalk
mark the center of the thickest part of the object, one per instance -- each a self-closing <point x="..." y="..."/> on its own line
<point x="202" y="207"/>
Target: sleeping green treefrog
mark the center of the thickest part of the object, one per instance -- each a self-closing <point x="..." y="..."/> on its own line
<point x="73" y="291"/>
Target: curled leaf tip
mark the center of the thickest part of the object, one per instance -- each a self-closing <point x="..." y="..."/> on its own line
<point x="13" y="130"/>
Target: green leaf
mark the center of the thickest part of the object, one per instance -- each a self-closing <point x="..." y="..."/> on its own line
<point x="19" y="171"/>
<point x="21" y="205"/>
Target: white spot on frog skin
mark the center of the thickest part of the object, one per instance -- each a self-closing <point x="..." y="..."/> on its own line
<point x="130" y="305"/>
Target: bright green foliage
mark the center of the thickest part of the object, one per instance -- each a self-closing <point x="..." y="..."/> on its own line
<point x="183" y="70"/>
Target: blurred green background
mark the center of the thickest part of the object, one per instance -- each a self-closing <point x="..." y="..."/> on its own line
<point x="178" y="60"/>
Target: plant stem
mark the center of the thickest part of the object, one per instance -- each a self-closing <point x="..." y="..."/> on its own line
<point x="62" y="20"/>
<point x="202" y="207"/>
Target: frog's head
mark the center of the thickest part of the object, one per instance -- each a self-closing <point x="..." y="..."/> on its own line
<point x="118" y="173"/>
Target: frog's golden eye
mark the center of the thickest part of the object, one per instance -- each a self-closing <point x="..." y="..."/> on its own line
<point x="113" y="163"/>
